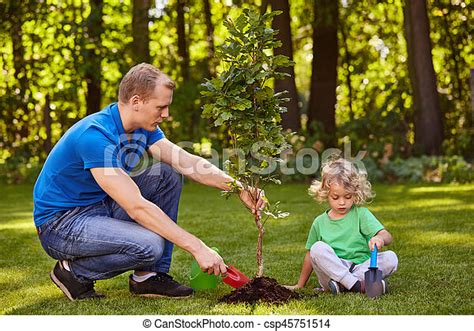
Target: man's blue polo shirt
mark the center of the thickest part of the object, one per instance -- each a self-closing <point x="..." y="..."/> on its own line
<point x="96" y="141"/>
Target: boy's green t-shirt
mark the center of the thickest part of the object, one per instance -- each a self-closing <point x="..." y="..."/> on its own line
<point x="348" y="236"/>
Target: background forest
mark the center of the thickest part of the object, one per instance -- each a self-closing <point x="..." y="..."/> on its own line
<point x="392" y="77"/>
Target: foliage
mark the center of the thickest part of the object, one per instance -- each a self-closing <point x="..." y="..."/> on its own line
<point x="43" y="46"/>
<point x="383" y="166"/>
<point x="447" y="169"/>
<point x="20" y="169"/>
<point x="242" y="101"/>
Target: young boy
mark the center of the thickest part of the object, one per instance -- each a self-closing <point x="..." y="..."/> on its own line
<point x="341" y="239"/>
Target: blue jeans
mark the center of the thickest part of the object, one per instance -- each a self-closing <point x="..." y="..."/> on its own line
<point x="101" y="241"/>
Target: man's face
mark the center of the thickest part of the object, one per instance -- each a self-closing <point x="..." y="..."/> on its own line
<point x="154" y="110"/>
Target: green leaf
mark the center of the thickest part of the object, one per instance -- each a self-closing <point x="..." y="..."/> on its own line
<point x="222" y="102"/>
<point x="226" y="115"/>
<point x="281" y="61"/>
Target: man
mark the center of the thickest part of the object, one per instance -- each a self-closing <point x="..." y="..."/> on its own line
<point x="99" y="222"/>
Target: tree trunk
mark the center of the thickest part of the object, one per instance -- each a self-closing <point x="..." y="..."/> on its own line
<point x="93" y="56"/>
<point x="261" y="232"/>
<point x="16" y="16"/>
<point x="210" y="39"/>
<point x="455" y="56"/>
<point x="47" y="145"/>
<point x="322" y="100"/>
<point x="140" y="32"/>
<point x="182" y="43"/>
<point x="471" y="80"/>
<point x="428" y="118"/>
<point x="264" y="6"/>
<point x="282" y="23"/>
<point x="347" y="59"/>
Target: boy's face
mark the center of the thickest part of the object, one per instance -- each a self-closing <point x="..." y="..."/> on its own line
<point x="340" y="200"/>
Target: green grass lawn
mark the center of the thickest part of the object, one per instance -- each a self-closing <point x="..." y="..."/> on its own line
<point x="433" y="234"/>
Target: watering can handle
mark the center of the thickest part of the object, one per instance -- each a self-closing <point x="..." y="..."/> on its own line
<point x="373" y="258"/>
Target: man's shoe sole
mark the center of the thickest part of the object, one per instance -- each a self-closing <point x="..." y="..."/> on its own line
<point x="152" y="295"/>
<point x="61" y="286"/>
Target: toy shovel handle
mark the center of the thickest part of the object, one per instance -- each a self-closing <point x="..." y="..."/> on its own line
<point x="373" y="258"/>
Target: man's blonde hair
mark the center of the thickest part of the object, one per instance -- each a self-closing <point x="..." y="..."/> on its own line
<point x="344" y="173"/>
<point x="141" y="80"/>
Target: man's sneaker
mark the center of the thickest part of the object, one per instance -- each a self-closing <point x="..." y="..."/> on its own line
<point x="335" y="287"/>
<point x="70" y="286"/>
<point x="159" y="285"/>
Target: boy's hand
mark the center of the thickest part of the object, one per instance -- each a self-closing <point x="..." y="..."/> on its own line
<point x="292" y="287"/>
<point x="376" y="241"/>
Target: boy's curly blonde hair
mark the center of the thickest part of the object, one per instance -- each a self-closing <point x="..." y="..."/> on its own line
<point x="344" y="173"/>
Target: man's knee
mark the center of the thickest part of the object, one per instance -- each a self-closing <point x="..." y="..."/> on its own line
<point x="150" y="250"/>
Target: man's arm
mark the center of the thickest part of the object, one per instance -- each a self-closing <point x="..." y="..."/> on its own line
<point x="202" y="171"/>
<point x="196" y="168"/>
<point x="115" y="182"/>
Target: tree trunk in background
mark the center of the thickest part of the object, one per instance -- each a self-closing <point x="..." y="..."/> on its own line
<point x="322" y="101"/>
<point x="347" y="60"/>
<point x="210" y="39"/>
<point x="93" y="56"/>
<point x="282" y="23"/>
<point x="15" y="15"/>
<point x="428" y="118"/>
<point x="140" y="32"/>
<point x="183" y="52"/>
<point x="264" y="6"/>
<point x="47" y="145"/>
<point x="471" y="79"/>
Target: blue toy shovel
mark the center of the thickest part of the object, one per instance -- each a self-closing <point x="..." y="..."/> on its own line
<point x="373" y="277"/>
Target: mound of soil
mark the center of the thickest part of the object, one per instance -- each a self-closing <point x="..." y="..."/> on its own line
<point x="263" y="289"/>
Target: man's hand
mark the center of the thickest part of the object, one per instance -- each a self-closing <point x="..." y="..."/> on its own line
<point x="210" y="261"/>
<point x="254" y="199"/>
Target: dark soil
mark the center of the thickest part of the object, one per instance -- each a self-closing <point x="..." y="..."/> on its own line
<point x="262" y="289"/>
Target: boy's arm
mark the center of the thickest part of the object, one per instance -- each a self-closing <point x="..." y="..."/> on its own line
<point x="382" y="238"/>
<point x="306" y="270"/>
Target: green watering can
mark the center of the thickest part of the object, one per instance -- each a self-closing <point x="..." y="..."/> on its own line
<point x="200" y="280"/>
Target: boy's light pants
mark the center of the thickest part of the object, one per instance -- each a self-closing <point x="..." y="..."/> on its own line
<point x="328" y="265"/>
